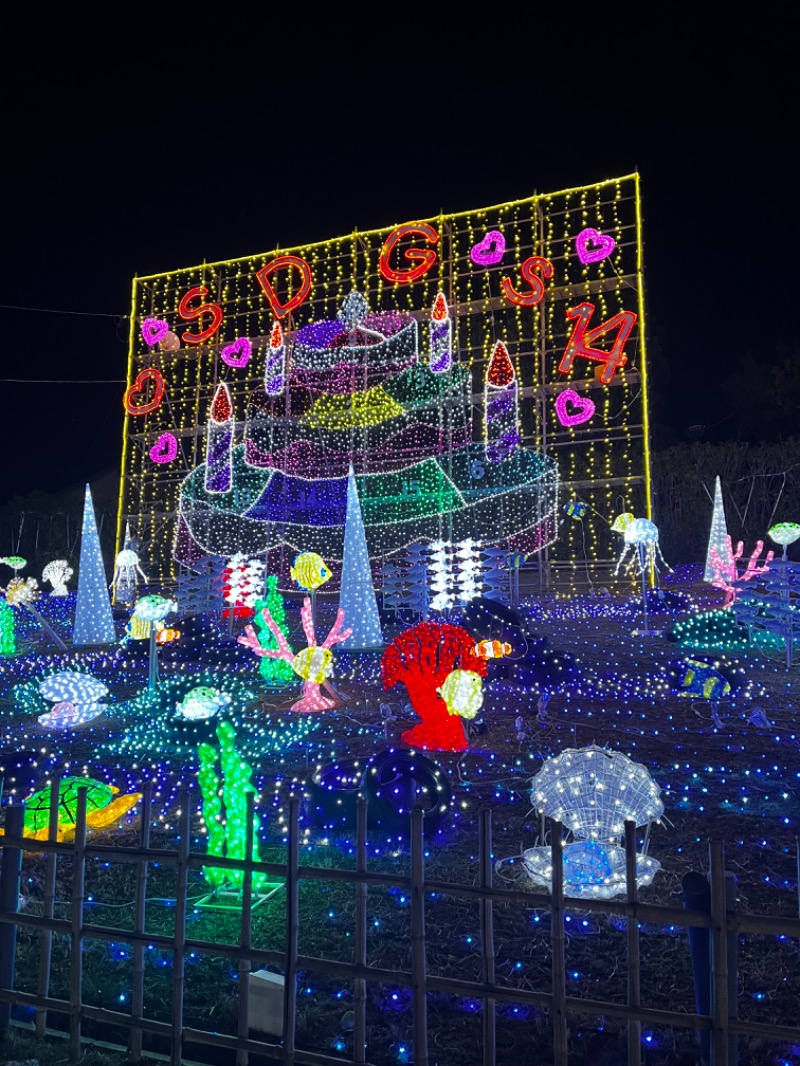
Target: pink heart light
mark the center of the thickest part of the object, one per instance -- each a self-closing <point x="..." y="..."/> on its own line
<point x="153" y="329"/>
<point x="582" y="408"/>
<point x="490" y="250"/>
<point x="165" y="449"/>
<point x="592" y="245"/>
<point x="237" y="354"/>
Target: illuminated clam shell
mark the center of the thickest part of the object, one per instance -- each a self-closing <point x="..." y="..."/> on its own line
<point x="593" y="792"/>
<point x="68" y="715"/>
<point x="73" y="686"/>
<point x="596" y="874"/>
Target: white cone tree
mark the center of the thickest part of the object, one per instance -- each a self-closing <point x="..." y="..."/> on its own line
<point x="719" y="533"/>
<point x="357" y="596"/>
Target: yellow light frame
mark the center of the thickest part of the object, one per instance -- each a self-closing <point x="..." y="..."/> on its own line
<point x="608" y="470"/>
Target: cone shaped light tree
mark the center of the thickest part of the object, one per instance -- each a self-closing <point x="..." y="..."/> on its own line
<point x="719" y="531"/>
<point x="94" y="622"/>
<point x="357" y="597"/>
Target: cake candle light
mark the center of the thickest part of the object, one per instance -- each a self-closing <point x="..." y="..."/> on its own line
<point x="219" y="441"/>
<point x="441" y="332"/>
<point x="501" y="406"/>
<point x="275" y="370"/>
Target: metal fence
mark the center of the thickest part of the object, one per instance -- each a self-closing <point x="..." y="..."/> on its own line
<point x="721" y="926"/>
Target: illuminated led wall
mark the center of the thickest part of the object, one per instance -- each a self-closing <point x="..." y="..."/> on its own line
<point x="480" y="370"/>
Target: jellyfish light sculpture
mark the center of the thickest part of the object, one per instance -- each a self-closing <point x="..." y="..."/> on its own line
<point x="593" y="792"/>
<point x="640" y="551"/>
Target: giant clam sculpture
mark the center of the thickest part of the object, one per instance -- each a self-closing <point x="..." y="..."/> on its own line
<point x="592" y="792"/>
<point x="75" y="697"/>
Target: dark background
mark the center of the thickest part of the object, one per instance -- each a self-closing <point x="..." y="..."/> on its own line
<point x="156" y="145"/>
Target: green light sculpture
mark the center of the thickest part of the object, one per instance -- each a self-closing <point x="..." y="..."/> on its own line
<point x="8" y="630"/>
<point x="225" y="810"/>
<point x="274" y="671"/>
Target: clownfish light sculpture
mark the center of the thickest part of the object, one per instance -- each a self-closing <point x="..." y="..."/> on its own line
<point x="492" y="649"/>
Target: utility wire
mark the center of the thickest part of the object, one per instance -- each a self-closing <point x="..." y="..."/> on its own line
<point x="54" y="311"/>
<point x="59" y="381"/>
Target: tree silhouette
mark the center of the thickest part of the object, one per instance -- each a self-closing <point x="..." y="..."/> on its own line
<point x="422" y="657"/>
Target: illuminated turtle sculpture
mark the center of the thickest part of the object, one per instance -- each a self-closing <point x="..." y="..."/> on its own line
<point x="104" y="806"/>
<point x="202" y="702"/>
<point x="592" y="792"/>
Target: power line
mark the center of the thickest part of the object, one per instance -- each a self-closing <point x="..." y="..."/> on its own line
<point x="60" y="381"/>
<point x="55" y="311"/>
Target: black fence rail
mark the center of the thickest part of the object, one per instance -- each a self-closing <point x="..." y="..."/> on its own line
<point x="715" y="928"/>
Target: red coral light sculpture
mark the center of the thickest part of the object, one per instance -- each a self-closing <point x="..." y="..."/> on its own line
<point x="422" y="657"/>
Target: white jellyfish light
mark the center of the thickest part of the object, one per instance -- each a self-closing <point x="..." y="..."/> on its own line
<point x="593" y="792"/>
<point x="126" y="575"/>
<point x="640" y="547"/>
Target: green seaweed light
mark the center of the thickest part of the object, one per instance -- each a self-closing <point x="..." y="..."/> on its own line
<point x="8" y="630"/>
<point x="274" y="671"/>
<point x="225" y="809"/>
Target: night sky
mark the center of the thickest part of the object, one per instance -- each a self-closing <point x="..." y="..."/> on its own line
<point x="122" y="158"/>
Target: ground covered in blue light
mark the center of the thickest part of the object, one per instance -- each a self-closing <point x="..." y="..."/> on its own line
<point x="589" y="670"/>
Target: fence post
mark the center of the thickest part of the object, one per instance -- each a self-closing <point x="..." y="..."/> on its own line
<point x="418" y="962"/>
<point x="557" y="942"/>
<point x="697" y="897"/>
<point x="245" y="936"/>
<point x="724" y="954"/>
<point x="487" y="939"/>
<point x="634" y="954"/>
<point x="48" y="908"/>
<point x="179" y="948"/>
<point x="76" y="953"/>
<point x="292" y="930"/>
<point x="139" y="924"/>
<point x="10" y="874"/>
<point x="360" y="945"/>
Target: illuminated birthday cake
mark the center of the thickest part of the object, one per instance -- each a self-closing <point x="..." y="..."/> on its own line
<point x="356" y="390"/>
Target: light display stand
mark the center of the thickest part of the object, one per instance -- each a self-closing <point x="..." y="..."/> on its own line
<point x="463" y="364"/>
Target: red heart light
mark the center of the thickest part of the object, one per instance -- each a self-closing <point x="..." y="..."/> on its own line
<point x="137" y="389"/>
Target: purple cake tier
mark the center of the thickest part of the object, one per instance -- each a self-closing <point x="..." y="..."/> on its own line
<point x="380" y="342"/>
